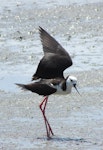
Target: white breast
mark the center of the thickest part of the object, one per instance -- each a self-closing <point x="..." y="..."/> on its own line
<point x="60" y="90"/>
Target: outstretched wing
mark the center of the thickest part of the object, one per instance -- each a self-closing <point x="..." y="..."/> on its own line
<point x="39" y="88"/>
<point x="55" y="59"/>
<point x="50" y="45"/>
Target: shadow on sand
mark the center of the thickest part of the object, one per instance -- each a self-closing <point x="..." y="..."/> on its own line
<point x="64" y="139"/>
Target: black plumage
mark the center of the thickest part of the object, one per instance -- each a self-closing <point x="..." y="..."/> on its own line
<point x="39" y="88"/>
<point x="44" y="87"/>
<point x="55" y="59"/>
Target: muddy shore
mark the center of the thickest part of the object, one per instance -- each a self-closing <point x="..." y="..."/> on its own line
<point x="77" y="121"/>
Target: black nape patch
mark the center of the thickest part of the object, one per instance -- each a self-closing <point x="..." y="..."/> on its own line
<point x="64" y="86"/>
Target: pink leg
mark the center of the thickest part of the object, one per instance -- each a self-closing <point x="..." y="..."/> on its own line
<point x="48" y="128"/>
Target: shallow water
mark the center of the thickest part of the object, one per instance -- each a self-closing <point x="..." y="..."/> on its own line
<point x="81" y="35"/>
<point x="43" y="4"/>
<point x="76" y="120"/>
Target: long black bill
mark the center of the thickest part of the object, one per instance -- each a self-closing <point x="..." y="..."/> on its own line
<point x="76" y="89"/>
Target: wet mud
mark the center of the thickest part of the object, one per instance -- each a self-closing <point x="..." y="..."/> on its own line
<point x="77" y="121"/>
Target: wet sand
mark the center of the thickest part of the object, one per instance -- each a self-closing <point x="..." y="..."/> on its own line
<point x="77" y="121"/>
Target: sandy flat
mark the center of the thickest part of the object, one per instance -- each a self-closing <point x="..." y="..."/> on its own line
<point x="77" y="121"/>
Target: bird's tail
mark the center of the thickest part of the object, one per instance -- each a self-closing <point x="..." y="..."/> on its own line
<point x="23" y="86"/>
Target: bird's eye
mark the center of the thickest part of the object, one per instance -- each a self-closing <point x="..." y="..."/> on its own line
<point x="71" y="80"/>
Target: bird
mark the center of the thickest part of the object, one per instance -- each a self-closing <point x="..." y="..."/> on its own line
<point x="49" y="77"/>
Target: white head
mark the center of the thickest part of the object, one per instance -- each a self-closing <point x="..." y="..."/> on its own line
<point x="72" y="82"/>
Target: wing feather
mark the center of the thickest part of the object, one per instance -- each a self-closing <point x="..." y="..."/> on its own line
<point x="50" y="45"/>
<point x="55" y="59"/>
<point x="39" y="88"/>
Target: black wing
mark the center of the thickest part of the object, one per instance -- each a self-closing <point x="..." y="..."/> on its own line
<point x="39" y="88"/>
<point x="50" y="45"/>
<point x="55" y="59"/>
